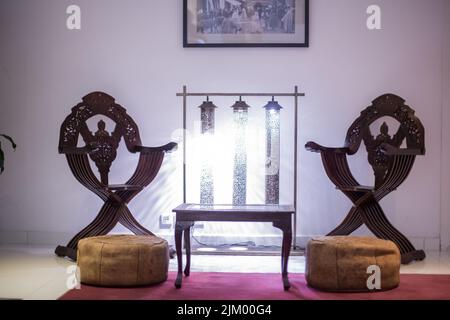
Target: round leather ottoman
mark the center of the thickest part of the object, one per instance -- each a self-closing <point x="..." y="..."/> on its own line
<point x="341" y="263"/>
<point x="123" y="260"/>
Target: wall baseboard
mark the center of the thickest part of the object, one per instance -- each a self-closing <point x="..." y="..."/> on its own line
<point x="55" y="238"/>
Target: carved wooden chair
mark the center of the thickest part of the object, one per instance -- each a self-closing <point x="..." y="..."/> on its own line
<point x="101" y="148"/>
<point x="391" y="165"/>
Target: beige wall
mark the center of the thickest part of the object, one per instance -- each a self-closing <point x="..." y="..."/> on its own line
<point x="133" y="50"/>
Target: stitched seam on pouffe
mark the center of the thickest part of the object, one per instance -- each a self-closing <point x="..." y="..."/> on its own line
<point x="138" y="262"/>
<point x="307" y="260"/>
<point x="101" y="259"/>
<point x="337" y="263"/>
<point x="376" y="263"/>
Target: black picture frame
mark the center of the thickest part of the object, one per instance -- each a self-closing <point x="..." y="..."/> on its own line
<point x="187" y="43"/>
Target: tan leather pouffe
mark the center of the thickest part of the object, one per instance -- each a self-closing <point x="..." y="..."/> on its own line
<point x="341" y="263"/>
<point x="123" y="260"/>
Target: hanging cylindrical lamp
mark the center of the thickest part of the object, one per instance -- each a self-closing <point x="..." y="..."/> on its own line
<point x="240" y="112"/>
<point x="272" y="152"/>
<point x="207" y="109"/>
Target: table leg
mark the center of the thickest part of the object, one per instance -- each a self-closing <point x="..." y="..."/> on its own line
<point x="187" y="246"/>
<point x="180" y="227"/>
<point x="178" y="237"/>
<point x="286" y="227"/>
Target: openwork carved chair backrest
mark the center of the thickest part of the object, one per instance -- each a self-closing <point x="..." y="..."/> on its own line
<point x="410" y="130"/>
<point x="103" y="143"/>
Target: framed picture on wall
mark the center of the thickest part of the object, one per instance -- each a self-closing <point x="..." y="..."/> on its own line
<point x="245" y="23"/>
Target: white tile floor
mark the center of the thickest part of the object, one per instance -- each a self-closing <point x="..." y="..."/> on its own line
<point x="36" y="273"/>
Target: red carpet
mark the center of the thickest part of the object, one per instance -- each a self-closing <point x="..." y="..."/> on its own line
<point x="254" y="286"/>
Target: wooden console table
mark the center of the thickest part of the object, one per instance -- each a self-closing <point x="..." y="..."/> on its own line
<point x="187" y="214"/>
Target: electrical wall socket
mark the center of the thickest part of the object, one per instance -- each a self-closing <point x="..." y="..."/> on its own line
<point x="165" y="221"/>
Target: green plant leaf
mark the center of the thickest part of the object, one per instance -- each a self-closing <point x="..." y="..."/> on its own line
<point x="13" y="144"/>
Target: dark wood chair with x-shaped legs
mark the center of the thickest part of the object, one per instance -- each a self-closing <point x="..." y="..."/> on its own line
<point x="101" y="148"/>
<point x="391" y="165"/>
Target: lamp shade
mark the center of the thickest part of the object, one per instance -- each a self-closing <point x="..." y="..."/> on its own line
<point x="272" y="152"/>
<point x="207" y="116"/>
<point x="240" y="106"/>
<point x="207" y="105"/>
<point x="207" y="110"/>
<point x="273" y="105"/>
<point x="240" y="109"/>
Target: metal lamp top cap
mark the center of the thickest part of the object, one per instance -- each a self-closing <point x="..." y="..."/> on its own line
<point x="273" y="105"/>
<point x="207" y="105"/>
<point x="240" y="105"/>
